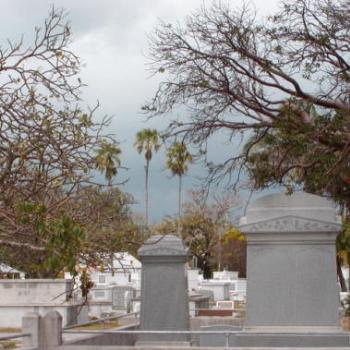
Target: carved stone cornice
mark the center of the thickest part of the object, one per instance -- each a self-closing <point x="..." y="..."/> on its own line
<point x="163" y="246"/>
<point x="162" y="251"/>
<point x="290" y="223"/>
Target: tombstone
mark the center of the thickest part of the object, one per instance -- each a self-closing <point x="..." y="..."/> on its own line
<point x="291" y="263"/>
<point x="164" y="292"/>
<point x="127" y="299"/>
<point x="193" y="279"/>
<point x="220" y="289"/>
<point x="118" y="296"/>
<point x="292" y="291"/>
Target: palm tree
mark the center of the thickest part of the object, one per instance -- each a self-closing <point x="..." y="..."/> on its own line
<point x="147" y="141"/>
<point x="177" y="159"/>
<point x="108" y="161"/>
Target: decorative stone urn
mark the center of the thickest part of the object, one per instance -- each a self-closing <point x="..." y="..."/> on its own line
<point x="291" y="263"/>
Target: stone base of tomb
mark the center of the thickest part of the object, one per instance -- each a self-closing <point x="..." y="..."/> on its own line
<point x="292" y="329"/>
<point x="152" y="344"/>
<point x="281" y="337"/>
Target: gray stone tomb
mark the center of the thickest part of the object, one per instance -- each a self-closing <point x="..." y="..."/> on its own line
<point x="164" y="291"/>
<point x="291" y="270"/>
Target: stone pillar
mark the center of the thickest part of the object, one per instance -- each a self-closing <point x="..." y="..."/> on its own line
<point x="51" y="334"/>
<point x="164" y="294"/>
<point x="45" y="332"/>
<point x="291" y="263"/>
<point x="31" y="325"/>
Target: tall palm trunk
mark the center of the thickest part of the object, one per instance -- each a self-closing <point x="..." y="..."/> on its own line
<point x="179" y="207"/>
<point x="180" y="190"/>
<point x="146" y="190"/>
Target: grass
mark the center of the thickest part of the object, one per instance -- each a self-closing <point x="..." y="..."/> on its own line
<point x="9" y="344"/>
<point x="99" y="326"/>
<point x="10" y="330"/>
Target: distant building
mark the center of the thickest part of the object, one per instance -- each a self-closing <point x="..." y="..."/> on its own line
<point x="125" y="270"/>
<point x="114" y="285"/>
<point x="8" y="272"/>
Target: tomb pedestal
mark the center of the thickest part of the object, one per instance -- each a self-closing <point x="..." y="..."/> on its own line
<point x="292" y="291"/>
<point x="164" y="292"/>
<point x="291" y="264"/>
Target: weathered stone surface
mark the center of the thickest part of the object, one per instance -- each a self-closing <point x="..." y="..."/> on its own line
<point x="31" y="291"/>
<point x="158" y="245"/>
<point x="51" y="330"/>
<point x="299" y="212"/>
<point x="164" y="292"/>
<point x="31" y="325"/>
<point x="292" y="280"/>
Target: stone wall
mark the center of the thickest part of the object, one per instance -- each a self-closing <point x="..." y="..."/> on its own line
<point x="34" y="291"/>
<point x="19" y="297"/>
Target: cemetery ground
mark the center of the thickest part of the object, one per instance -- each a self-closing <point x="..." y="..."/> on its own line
<point x="289" y="239"/>
<point x="9" y="344"/>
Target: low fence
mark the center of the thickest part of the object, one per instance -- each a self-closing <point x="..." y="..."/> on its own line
<point x="13" y="337"/>
<point x="104" y="320"/>
<point x="44" y="333"/>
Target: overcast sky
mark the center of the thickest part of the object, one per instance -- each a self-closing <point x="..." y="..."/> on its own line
<point x="110" y="38"/>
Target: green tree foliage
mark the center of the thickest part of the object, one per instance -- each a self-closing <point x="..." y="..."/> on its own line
<point x="147" y="141"/>
<point x="343" y="252"/>
<point x="108" y="160"/>
<point x="201" y="224"/>
<point x="288" y="156"/>
<point x="177" y="159"/>
<point x="93" y="226"/>
<point x="234" y="251"/>
<point x="108" y="224"/>
<point x="63" y="236"/>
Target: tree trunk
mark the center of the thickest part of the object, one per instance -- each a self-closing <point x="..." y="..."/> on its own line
<point x="348" y="258"/>
<point x="180" y="189"/>
<point x="219" y="254"/>
<point x="341" y="276"/>
<point x="206" y="268"/>
<point x="146" y="191"/>
<point x="179" y="207"/>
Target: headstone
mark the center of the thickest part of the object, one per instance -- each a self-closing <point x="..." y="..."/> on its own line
<point x="127" y="299"/>
<point x="31" y="325"/>
<point x="291" y="270"/>
<point x="51" y="330"/>
<point x="118" y="296"/>
<point x="164" y="292"/>
<point x="193" y="279"/>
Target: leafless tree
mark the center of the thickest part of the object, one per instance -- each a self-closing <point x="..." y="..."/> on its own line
<point x="242" y="74"/>
<point x="48" y="141"/>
